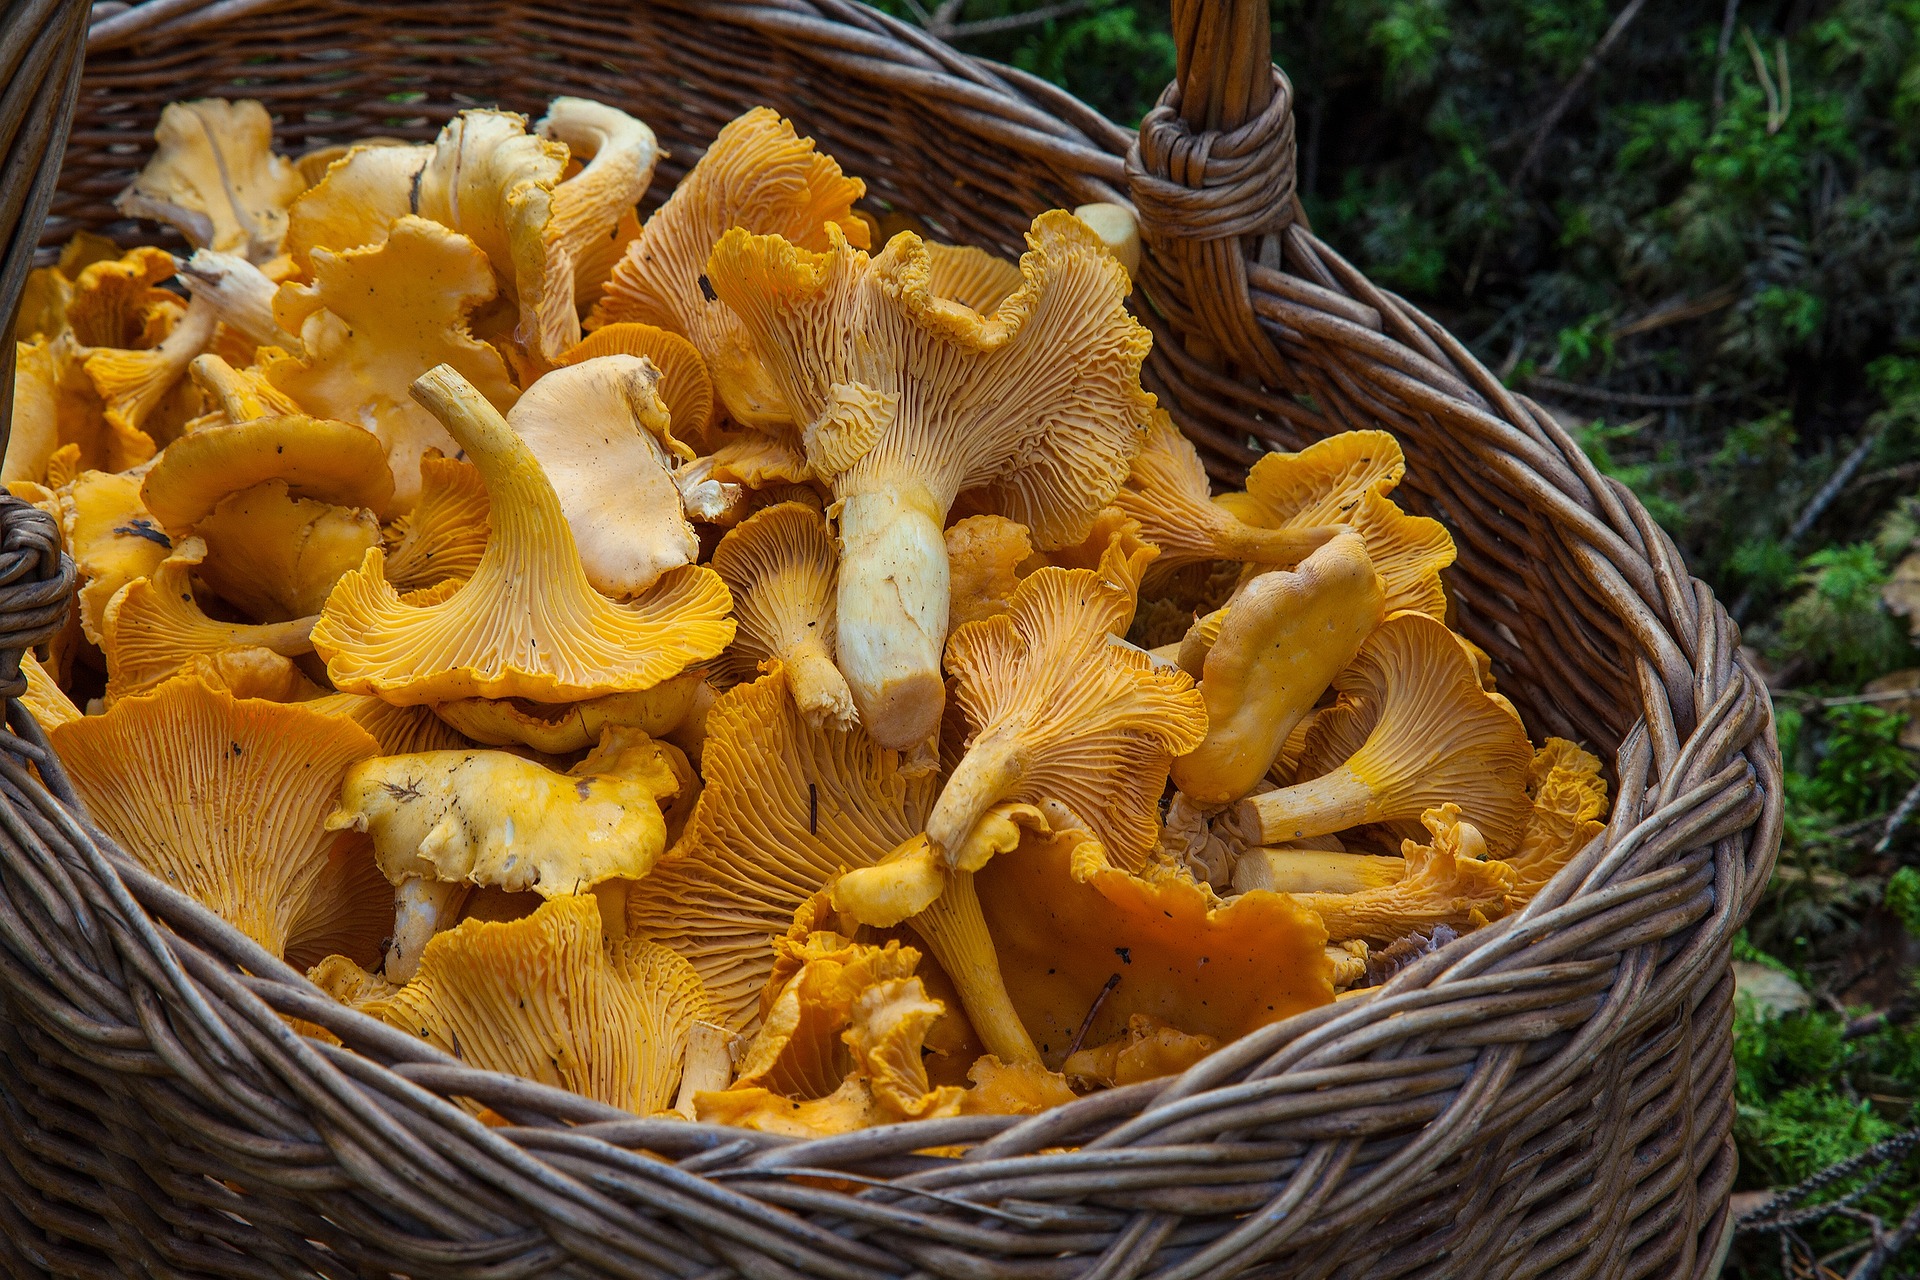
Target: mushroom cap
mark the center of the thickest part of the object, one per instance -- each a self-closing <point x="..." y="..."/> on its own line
<point x="561" y="728"/>
<point x="44" y="697"/>
<point x="153" y="626"/>
<point x="376" y="318"/>
<point x="798" y="1051"/>
<point x="446" y="533"/>
<point x="1569" y="803"/>
<point x="318" y="458"/>
<point x="1436" y="737"/>
<point x="984" y="558"/>
<point x="1013" y="1089"/>
<point x="590" y="207"/>
<point x="255" y="673"/>
<point x="1169" y="493"/>
<point x="56" y="407"/>
<point x="493" y="182"/>
<point x="115" y="303"/>
<point x="111" y="536"/>
<point x="351" y="911"/>
<point x="226" y="801"/>
<point x="785" y="809"/>
<point x="969" y="276"/>
<point x="362" y="193"/>
<point x="760" y="175"/>
<point x="1059" y="713"/>
<point x="1449" y="880"/>
<point x="1146" y="1050"/>
<point x="527" y="623"/>
<point x="684" y="385"/>
<point x="275" y="557"/>
<point x="1287" y="636"/>
<point x="599" y="433"/>
<point x="490" y="818"/>
<point x="544" y="998"/>
<point x="1345" y="479"/>
<point x="1064" y="921"/>
<point x="779" y="566"/>
<point x="216" y="179"/>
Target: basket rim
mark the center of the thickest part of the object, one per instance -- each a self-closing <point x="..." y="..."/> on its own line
<point x="1704" y="784"/>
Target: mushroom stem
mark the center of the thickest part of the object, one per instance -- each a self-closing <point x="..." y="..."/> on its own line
<point x="1321" y="806"/>
<point x="956" y="932"/>
<point x="708" y="1067"/>
<point x="1314" y="871"/>
<point x="1280" y="548"/>
<point x="819" y="690"/>
<point x="421" y="908"/>
<point x="612" y="896"/>
<point x="892" y="610"/>
<point x="990" y="771"/>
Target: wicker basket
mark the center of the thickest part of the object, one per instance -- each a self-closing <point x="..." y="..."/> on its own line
<point x="1548" y="1096"/>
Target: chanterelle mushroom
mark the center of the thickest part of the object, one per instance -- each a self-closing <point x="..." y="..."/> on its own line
<point x="545" y="998"/>
<point x="786" y="808"/>
<point x="760" y="175"/>
<point x="1059" y="712"/>
<point x="984" y="557"/>
<point x="1437" y="738"/>
<point x="446" y="533"/>
<point x="684" y="387"/>
<point x="528" y="623"/>
<point x="111" y="536"/>
<point x="216" y="179"/>
<point x="445" y="821"/>
<point x="1569" y="801"/>
<point x="275" y="557"/>
<point x="317" y="458"/>
<point x="620" y="153"/>
<point x="1345" y="479"/>
<point x="1284" y="640"/>
<point x="222" y="797"/>
<point x="600" y="434"/>
<point x="779" y="566"/>
<point x="376" y="318"/>
<point x="361" y="196"/>
<point x="907" y="399"/>
<point x="1065" y="922"/>
<point x="1448" y="880"/>
<point x="153" y="626"/>
<point x="1168" y="493"/>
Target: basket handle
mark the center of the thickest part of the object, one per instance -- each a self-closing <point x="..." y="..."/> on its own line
<point x="1212" y="178"/>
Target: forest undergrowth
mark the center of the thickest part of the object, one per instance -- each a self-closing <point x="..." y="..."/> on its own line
<point x="1690" y="229"/>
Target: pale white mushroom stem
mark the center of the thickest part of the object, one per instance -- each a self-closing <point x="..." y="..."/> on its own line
<point x="892" y="611"/>
<point x="421" y="908"/>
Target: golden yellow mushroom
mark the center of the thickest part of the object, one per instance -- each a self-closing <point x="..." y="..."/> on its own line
<point x="984" y="557"/>
<point x="1449" y="880"/>
<point x="779" y="565"/>
<point x="111" y="536"/>
<point x="546" y="999"/>
<point x="786" y="808"/>
<point x="224" y="798"/>
<point x="757" y="174"/>
<point x="910" y="399"/>
<point x="154" y="625"/>
<point x="1569" y="803"/>
<point x="1437" y="737"/>
<point x="1057" y="711"/>
<point x="684" y="384"/>
<point x="359" y="196"/>
<point x="527" y="623"/>
<point x="443" y="822"/>
<point x="1287" y="636"/>
<point x="376" y="318"/>
<point x="216" y="179"/>
<point x="559" y="728"/>
<point x="1169" y="494"/>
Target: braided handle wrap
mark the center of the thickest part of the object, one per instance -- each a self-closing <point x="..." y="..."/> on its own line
<point x="1212" y="179"/>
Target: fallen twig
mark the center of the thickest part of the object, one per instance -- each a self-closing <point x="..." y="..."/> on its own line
<point x="1560" y="105"/>
<point x="1633" y="399"/>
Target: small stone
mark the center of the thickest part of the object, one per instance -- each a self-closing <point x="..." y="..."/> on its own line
<point x="1769" y="992"/>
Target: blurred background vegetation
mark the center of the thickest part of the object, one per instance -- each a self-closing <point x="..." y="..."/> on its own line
<point x="1690" y="228"/>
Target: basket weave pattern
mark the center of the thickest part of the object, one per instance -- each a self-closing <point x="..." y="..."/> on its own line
<point x="1547" y="1096"/>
